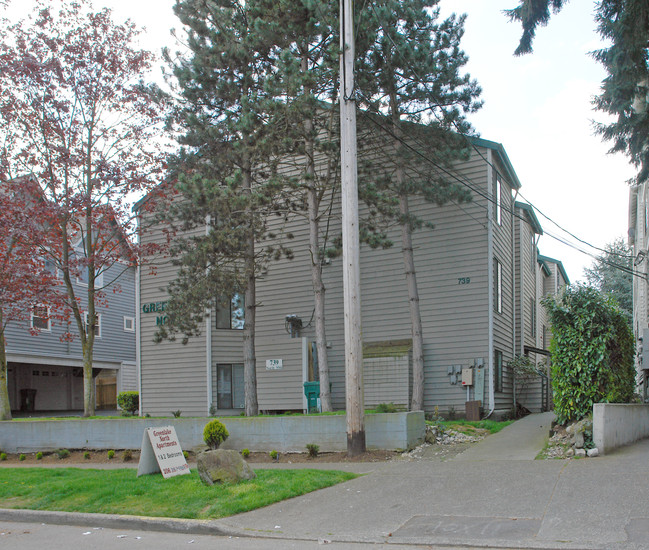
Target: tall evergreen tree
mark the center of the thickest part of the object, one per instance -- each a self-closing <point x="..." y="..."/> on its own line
<point x="225" y="169"/>
<point x="625" y="91"/>
<point x="611" y="274"/>
<point x="410" y="71"/>
<point x="306" y="80"/>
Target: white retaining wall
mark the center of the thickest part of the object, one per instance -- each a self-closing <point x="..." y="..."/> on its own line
<point x="390" y="431"/>
<point x="617" y="424"/>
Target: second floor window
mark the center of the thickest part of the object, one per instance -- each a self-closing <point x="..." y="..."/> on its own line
<point x="230" y="312"/>
<point x="41" y="318"/>
<point x="97" y="324"/>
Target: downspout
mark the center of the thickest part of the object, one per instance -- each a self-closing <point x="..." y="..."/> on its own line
<point x="520" y="244"/>
<point x="208" y="340"/>
<point x="490" y="281"/>
<point x="512" y="211"/>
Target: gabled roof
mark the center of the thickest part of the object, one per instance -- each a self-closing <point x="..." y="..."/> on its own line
<point x="504" y="159"/>
<point x="557" y="263"/>
<point x="534" y="221"/>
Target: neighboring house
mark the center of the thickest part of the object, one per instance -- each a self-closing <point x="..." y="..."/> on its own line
<point x="639" y="244"/>
<point x="45" y="365"/>
<point x="480" y="282"/>
<point x="52" y="366"/>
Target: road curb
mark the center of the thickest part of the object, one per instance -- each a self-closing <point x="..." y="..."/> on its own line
<point x="169" y="525"/>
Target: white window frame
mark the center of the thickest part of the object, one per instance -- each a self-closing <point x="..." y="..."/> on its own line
<point x="49" y="321"/>
<point x="130" y="320"/>
<point x="97" y="326"/>
<point x="499" y="287"/>
<point x="499" y="201"/>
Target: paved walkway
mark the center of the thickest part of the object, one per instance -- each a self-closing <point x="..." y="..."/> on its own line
<point x="492" y="496"/>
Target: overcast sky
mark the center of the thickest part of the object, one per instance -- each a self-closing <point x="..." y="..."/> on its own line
<point x="538" y="106"/>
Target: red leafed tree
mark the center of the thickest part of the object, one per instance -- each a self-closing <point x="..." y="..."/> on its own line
<point x="27" y="281"/>
<point x="79" y="118"/>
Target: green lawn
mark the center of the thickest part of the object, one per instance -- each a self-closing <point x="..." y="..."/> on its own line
<point x="491" y="425"/>
<point x="121" y="492"/>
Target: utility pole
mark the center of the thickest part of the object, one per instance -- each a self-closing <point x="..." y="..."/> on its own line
<point x="351" y="244"/>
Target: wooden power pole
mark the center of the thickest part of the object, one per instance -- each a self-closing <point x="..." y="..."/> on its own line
<point x="351" y="241"/>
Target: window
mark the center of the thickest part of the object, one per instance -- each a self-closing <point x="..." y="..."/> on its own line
<point x="97" y="325"/>
<point x="230" y="386"/>
<point x="533" y="254"/>
<point x="129" y="324"/>
<point x="498" y="370"/>
<point x="532" y="317"/>
<point x="498" y="305"/>
<point x="499" y="202"/>
<point x="41" y="318"/>
<point x="230" y="313"/>
<point x="83" y="277"/>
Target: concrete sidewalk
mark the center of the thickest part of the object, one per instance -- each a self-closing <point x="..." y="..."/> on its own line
<point x="492" y="496"/>
<point x="521" y="440"/>
<point x="482" y="498"/>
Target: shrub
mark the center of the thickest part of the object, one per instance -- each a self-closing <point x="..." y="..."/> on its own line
<point x="386" y="408"/>
<point x="212" y="410"/>
<point x="214" y="434"/>
<point x="110" y="454"/>
<point x="176" y="414"/>
<point x="129" y="401"/>
<point x="274" y="455"/>
<point x="127" y="455"/>
<point x="3" y="456"/>
<point x="592" y="351"/>
<point x="39" y="455"/>
<point x="313" y="449"/>
<point x="86" y="455"/>
<point x="22" y="457"/>
<point x="186" y="455"/>
<point x="62" y="453"/>
<point x="245" y="453"/>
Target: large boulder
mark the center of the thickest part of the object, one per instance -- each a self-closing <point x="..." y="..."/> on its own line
<point x="223" y="465"/>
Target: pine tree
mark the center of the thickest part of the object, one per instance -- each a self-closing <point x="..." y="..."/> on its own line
<point x="306" y="79"/>
<point x="410" y="71"/>
<point x="625" y="91"/>
<point x="611" y="274"/>
<point x="225" y="169"/>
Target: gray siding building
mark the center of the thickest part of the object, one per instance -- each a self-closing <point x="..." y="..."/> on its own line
<point x="477" y="273"/>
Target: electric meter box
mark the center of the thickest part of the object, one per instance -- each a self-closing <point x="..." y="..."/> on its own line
<point x="467" y="377"/>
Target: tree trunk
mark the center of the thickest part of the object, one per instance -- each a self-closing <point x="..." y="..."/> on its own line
<point x="250" y="304"/>
<point x="316" y="261"/>
<point x="88" y="383"/>
<point x="5" y="405"/>
<point x="417" y="403"/>
<point x="319" y="302"/>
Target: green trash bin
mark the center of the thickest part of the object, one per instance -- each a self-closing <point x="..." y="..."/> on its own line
<point x="312" y="392"/>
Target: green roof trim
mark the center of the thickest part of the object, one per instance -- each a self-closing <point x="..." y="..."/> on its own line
<point x="530" y="212"/>
<point x="498" y="148"/>
<point x="544" y="266"/>
<point x="559" y="265"/>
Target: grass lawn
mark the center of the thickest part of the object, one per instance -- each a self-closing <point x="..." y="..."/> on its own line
<point x="121" y="492"/>
<point x="466" y="425"/>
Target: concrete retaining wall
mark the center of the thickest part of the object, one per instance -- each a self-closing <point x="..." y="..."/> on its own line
<point x="283" y="433"/>
<point x="617" y="424"/>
